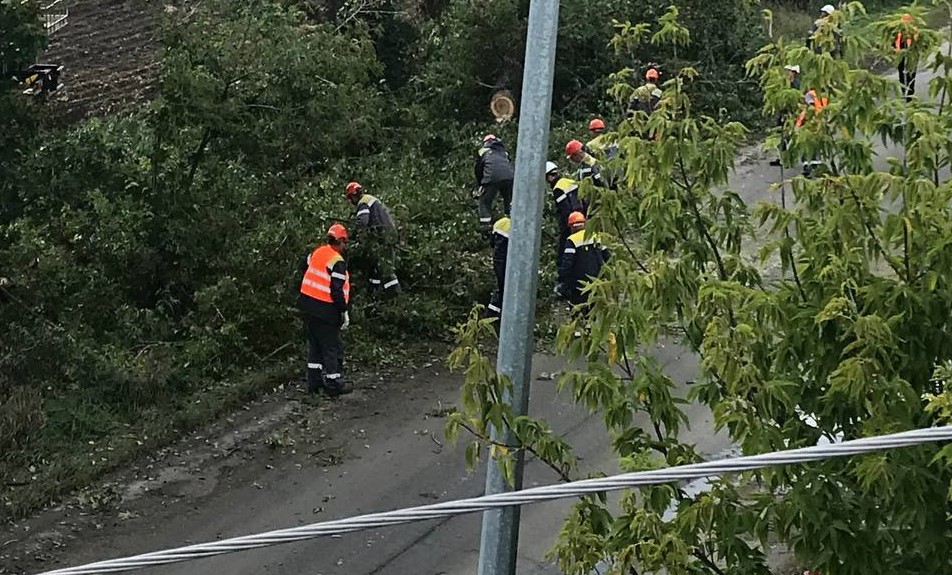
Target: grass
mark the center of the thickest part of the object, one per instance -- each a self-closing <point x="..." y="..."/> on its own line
<point x="63" y="465"/>
<point x="788" y="23"/>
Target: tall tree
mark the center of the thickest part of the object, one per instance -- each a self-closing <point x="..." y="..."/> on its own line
<point x="841" y="342"/>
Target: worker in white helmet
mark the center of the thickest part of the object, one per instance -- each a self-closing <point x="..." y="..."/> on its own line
<point x="825" y="23"/>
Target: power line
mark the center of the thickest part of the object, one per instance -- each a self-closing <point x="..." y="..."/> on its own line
<point x="524" y="497"/>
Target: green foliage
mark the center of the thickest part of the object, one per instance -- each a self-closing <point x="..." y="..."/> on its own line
<point x="713" y="39"/>
<point x="21" y="39"/>
<point x="473" y="50"/>
<point x="849" y="337"/>
<point x="477" y="48"/>
<point x="155" y="256"/>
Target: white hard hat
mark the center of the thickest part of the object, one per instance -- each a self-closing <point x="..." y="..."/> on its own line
<point x="551" y="167"/>
<point x="809" y="98"/>
<point x="792" y="68"/>
<point x="828" y="9"/>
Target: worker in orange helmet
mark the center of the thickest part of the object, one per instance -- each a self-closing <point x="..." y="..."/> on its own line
<point x="324" y="302"/>
<point x="599" y="146"/>
<point x="582" y="260"/>
<point x="647" y="97"/>
<point x="906" y="36"/>
<point x="378" y="238"/>
<point x="596" y="126"/>
<point x="588" y="165"/>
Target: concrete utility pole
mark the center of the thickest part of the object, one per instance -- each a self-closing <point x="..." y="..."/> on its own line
<point x="500" y="536"/>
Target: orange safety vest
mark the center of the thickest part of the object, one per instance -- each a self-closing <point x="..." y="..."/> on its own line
<point x="898" y="43"/>
<point x="818" y="104"/>
<point x="317" y="278"/>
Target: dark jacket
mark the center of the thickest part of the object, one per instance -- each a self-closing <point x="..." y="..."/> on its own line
<point x="645" y="98"/>
<point x="565" y="196"/>
<point x="373" y="216"/>
<point x="589" y="168"/>
<point x="582" y="260"/>
<point x="492" y="164"/>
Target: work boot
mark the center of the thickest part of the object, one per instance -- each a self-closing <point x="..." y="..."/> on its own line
<point x="775" y="162"/>
<point x="315" y="381"/>
<point x="342" y="388"/>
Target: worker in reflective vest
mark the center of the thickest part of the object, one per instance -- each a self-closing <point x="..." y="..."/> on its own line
<point x="582" y="261"/>
<point x="377" y="233"/>
<point x="324" y="302"/>
<point x="599" y="146"/>
<point x="565" y="197"/>
<point x="810" y="98"/>
<point x="588" y="166"/>
<point x="908" y="63"/>
<point x="500" y="244"/>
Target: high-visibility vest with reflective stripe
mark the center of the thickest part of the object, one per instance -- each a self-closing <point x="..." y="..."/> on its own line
<point x="818" y="104"/>
<point x="899" y="38"/>
<point x="502" y="226"/>
<point x="317" y="278"/>
<point x="564" y="187"/>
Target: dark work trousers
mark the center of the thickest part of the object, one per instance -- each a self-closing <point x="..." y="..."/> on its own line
<point x="325" y="354"/>
<point x="375" y="258"/>
<point x="581" y="310"/>
<point x="383" y="267"/>
<point x="494" y="309"/>
<point x="487" y="194"/>
<point x="563" y="237"/>
<point x="907" y="77"/>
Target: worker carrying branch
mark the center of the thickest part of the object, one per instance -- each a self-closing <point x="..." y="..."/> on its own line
<point x="378" y="237"/>
<point x="324" y="302"/>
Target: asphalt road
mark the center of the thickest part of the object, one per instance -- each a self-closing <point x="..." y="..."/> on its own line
<point x="393" y="459"/>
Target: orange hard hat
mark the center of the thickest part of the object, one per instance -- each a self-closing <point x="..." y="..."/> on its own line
<point x="489" y="137"/>
<point x="906" y="18"/>
<point x="337" y="232"/>
<point x="652" y="74"/>
<point x="576" y="219"/>
<point x="353" y="188"/>
<point x="596" y="124"/>
<point x="572" y="148"/>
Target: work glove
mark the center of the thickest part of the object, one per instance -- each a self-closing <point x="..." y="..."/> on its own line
<point x="346" y="322"/>
<point x="559" y="290"/>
